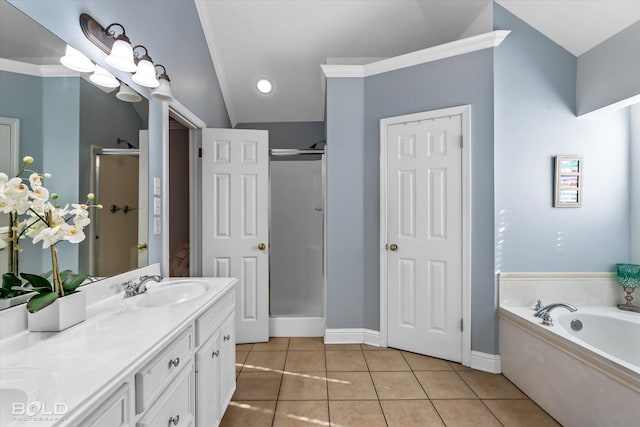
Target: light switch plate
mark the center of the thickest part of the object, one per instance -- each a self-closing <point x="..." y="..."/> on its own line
<point x="156" y="206"/>
<point x="156" y="186"/>
<point x="157" y="226"/>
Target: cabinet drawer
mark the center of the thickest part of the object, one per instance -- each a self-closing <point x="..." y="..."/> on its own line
<point x="175" y="405"/>
<point x="113" y="412"/>
<point x="154" y="377"/>
<point x="209" y="321"/>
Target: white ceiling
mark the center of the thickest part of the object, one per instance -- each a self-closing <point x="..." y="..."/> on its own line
<point x="287" y="40"/>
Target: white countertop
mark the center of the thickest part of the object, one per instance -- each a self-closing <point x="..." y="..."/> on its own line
<point x="90" y="360"/>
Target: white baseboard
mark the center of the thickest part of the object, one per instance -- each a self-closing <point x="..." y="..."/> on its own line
<point x="486" y="362"/>
<point x="296" y="326"/>
<point x="352" y="336"/>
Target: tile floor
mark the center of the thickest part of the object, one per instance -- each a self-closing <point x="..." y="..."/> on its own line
<point x="303" y="382"/>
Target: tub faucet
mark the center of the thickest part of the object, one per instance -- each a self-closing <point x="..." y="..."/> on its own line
<point x="136" y="287"/>
<point x="547" y="309"/>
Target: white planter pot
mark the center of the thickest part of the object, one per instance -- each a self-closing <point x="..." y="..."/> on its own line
<point x="61" y="314"/>
<point x="10" y="302"/>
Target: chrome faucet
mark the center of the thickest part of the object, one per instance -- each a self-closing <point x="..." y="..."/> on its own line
<point x="136" y="287"/>
<point x="545" y="312"/>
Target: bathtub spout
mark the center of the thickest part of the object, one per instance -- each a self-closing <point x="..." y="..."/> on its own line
<point x="547" y="309"/>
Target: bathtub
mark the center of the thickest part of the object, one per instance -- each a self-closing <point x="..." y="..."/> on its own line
<point x="588" y="377"/>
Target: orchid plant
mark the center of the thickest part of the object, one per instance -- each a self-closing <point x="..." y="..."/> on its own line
<point x="34" y="214"/>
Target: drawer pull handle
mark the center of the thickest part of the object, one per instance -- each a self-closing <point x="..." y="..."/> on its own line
<point x="215" y="353"/>
<point x="227" y="337"/>
<point x="174" y="420"/>
<point x="173" y="363"/>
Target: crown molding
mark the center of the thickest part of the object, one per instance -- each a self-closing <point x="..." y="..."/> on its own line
<point x="18" y="67"/>
<point x="435" y="53"/>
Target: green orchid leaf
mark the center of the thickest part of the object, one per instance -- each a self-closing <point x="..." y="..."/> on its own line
<point x="64" y="274"/>
<point x="41" y="290"/>
<point x="7" y="293"/>
<point x="37" y="281"/>
<point x="72" y="281"/>
<point x="9" y="280"/>
<point x="40" y="301"/>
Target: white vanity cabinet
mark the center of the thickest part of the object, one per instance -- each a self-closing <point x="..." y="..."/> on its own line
<point x="215" y="363"/>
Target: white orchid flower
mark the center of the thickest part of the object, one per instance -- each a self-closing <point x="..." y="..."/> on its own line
<point x="40" y="193"/>
<point x="80" y="210"/>
<point x="35" y="180"/>
<point x="49" y="236"/>
<point x="3" y="178"/>
<point x="81" y="222"/>
<point x="72" y="233"/>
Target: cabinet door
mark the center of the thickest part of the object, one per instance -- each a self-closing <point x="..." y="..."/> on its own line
<point x="207" y="382"/>
<point x="227" y="363"/>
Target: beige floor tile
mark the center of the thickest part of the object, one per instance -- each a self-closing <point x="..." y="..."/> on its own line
<point x="418" y="362"/>
<point x="241" y="356"/>
<point x="465" y="413"/>
<point x="298" y="361"/>
<point x="520" y="413"/>
<point x="459" y="367"/>
<point x="249" y="413"/>
<point x="306" y="343"/>
<point x="265" y="361"/>
<point x="356" y="414"/>
<point x="341" y="347"/>
<point x="491" y="386"/>
<point x="274" y="344"/>
<point x="374" y="348"/>
<point x="244" y="347"/>
<point x="257" y="386"/>
<point x="385" y="361"/>
<point x="351" y="386"/>
<point x="397" y="385"/>
<point x="303" y="386"/>
<point x="301" y="414"/>
<point x="444" y="385"/>
<point x="410" y="413"/>
<point x="346" y="361"/>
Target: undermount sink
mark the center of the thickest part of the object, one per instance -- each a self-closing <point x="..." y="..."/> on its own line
<point x="23" y="392"/>
<point x="171" y="294"/>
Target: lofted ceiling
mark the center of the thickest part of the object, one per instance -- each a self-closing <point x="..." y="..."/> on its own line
<point x="237" y="42"/>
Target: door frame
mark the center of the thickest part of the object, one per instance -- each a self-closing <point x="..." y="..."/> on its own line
<point x="465" y="112"/>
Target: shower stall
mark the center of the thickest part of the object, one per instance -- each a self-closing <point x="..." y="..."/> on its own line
<point x="296" y="293"/>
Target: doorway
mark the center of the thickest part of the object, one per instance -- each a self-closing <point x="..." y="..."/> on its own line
<point x="179" y="191"/>
<point x="425" y="233"/>
<point x="296" y="286"/>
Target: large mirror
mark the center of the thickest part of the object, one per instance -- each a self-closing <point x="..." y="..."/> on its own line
<point x="86" y="136"/>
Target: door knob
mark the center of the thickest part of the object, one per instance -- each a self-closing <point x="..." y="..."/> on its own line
<point x="142" y="246"/>
<point x="393" y="247"/>
<point x="262" y="246"/>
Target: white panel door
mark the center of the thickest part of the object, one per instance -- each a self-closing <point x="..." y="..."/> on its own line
<point x="235" y="222"/>
<point x="424" y="227"/>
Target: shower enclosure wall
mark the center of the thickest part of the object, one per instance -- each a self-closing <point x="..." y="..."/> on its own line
<point x="297" y="249"/>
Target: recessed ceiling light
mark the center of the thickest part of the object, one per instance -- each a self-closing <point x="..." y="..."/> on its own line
<point x="264" y="86"/>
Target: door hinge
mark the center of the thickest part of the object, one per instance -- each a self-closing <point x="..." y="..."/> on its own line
<point x="386" y="247"/>
<point x="462" y="324"/>
<point x="200" y="152"/>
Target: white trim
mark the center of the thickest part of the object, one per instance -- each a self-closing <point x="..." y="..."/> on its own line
<point x="296" y="326"/>
<point x="612" y="107"/>
<point x="521" y="277"/>
<point x="485" y="362"/>
<point x="18" y="67"/>
<point x="14" y="143"/>
<point x="465" y="112"/>
<point x="352" y="336"/>
<point x="435" y="53"/>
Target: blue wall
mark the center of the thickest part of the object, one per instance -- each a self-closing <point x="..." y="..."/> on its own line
<point x="290" y="134"/>
<point x="353" y="192"/>
<point x="535" y="92"/>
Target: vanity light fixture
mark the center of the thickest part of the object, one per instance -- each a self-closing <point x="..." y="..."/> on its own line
<point x="103" y="78"/>
<point x="127" y="94"/>
<point x="121" y="56"/>
<point x="76" y="61"/>
<point x="264" y="86"/>
<point x="146" y="72"/>
<point x="163" y="92"/>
